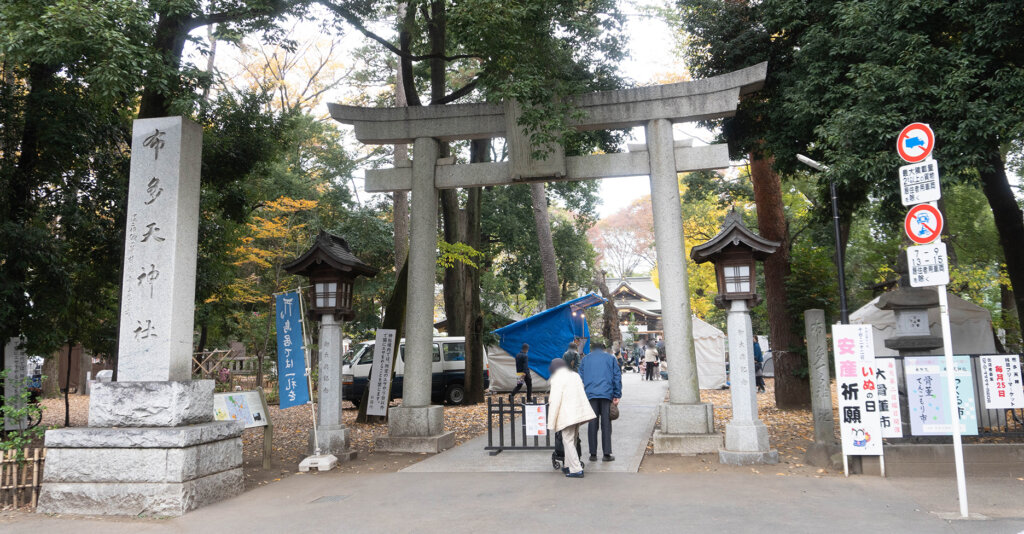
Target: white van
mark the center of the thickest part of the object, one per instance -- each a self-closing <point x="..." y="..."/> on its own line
<point x="448" y="371"/>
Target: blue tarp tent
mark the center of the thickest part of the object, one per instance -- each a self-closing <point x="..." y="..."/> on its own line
<point x="549" y="332"/>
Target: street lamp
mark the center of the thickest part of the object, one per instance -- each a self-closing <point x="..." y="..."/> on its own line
<point x="844" y="315"/>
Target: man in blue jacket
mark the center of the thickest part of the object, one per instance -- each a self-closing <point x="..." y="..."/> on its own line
<point x="602" y="379"/>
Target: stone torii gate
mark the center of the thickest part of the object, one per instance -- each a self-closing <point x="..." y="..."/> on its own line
<point x="687" y="425"/>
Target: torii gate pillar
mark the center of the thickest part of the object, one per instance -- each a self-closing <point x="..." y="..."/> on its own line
<point x="687" y="425"/>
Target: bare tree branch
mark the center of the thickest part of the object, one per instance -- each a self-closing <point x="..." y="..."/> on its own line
<point x="457" y="94"/>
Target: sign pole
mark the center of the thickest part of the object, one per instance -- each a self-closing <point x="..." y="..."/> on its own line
<point x="958" y="450"/>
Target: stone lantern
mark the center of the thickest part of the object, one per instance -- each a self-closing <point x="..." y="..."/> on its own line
<point x="734" y="252"/>
<point x="332" y="269"/>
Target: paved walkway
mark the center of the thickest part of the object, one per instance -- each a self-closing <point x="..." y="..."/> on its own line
<point x="601" y="502"/>
<point x="638" y="412"/>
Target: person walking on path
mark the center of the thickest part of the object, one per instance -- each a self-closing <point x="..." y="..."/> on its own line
<point x="650" y="361"/>
<point x="568" y="408"/>
<point x="638" y="354"/>
<point x="602" y="380"/>
<point x="758" y="367"/>
<point x="572" y="357"/>
<point x="522" y="375"/>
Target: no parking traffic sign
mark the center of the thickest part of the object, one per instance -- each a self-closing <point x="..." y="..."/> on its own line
<point x="923" y="224"/>
<point x="915" y="142"/>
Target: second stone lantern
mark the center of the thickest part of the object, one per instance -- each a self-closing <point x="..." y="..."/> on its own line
<point x="735" y="252"/>
<point x="331" y="268"/>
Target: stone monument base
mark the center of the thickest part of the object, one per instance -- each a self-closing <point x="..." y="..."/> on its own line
<point x="748" y="457"/>
<point x="828" y="455"/>
<point x="687" y="429"/>
<point x="416" y="429"/>
<point x="333" y="440"/>
<point x="154" y="471"/>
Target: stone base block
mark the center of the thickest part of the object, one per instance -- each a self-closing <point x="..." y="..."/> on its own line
<point x="415" y="421"/>
<point x="751" y="436"/>
<point x="151" y="404"/>
<point x="139" y="499"/>
<point x="333" y="440"/>
<point x="827" y="455"/>
<point x="747" y="457"/>
<point x="665" y="443"/>
<point x="687" y="418"/>
<point x="429" y="444"/>
<point x="147" y="471"/>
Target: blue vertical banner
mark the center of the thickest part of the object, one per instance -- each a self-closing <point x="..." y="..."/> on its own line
<point x="292" y="385"/>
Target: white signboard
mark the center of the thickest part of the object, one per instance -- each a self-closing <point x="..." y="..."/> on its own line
<point x="888" y="398"/>
<point x="244" y="406"/>
<point x="857" y="389"/>
<point x="380" y="372"/>
<point x="919" y="182"/>
<point x="929" y="265"/>
<point x="1002" y="379"/>
<point x="15" y="383"/>
<point x="536" y="419"/>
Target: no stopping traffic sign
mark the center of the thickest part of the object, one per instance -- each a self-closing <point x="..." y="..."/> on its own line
<point x="923" y="224"/>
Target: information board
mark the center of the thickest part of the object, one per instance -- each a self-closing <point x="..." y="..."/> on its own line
<point x="1001" y="377"/>
<point x="14" y="385"/>
<point x="929" y="400"/>
<point x="536" y="418"/>
<point x="929" y="265"/>
<point x="380" y="372"/>
<point x="888" y="398"/>
<point x="856" y="385"/>
<point x="244" y="406"/>
<point x="919" y="182"/>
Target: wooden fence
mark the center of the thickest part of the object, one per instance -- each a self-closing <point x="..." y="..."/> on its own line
<point x="20" y="480"/>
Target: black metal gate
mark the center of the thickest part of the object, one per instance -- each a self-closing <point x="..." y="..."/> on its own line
<point x="499" y="410"/>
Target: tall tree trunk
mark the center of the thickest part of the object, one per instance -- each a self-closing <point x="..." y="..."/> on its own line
<point x="400" y="210"/>
<point x="790" y="390"/>
<point x="479" y="151"/>
<point x="1010" y="321"/>
<point x="67" y="389"/>
<point x="549" y="268"/>
<point x="169" y="41"/>
<point x="610" y="329"/>
<point x="210" y="60"/>
<point x="1009" y="223"/>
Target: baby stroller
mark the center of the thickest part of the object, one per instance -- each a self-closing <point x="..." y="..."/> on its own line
<point x="558" y="457"/>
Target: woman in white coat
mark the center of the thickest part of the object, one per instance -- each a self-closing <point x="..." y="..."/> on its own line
<point x="568" y="408"/>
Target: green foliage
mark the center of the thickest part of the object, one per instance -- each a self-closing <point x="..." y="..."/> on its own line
<point x="18" y="440"/>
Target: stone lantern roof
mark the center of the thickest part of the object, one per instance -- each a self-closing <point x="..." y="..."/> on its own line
<point x="333" y="251"/>
<point x="733" y="233"/>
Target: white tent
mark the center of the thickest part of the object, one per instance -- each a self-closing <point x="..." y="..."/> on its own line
<point x="969" y="324"/>
<point x="502" y="368"/>
<point x="709" y="343"/>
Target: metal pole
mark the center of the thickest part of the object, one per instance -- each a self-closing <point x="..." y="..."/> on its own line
<point x="947" y="350"/>
<point x="844" y="315"/>
<point x="309" y="373"/>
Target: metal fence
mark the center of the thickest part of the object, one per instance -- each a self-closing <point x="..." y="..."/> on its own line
<point x="496" y="422"/>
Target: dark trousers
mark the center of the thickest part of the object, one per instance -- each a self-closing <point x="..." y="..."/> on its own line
<point x="651" y="366"/>
<point x="528" y="380"/>
<point x="603" y="409"/>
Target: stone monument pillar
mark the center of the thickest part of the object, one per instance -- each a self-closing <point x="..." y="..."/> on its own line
<point x="16" y="363"/>
<point x="687" y="425"/>
<point x="152" y="446"/>
<point x="820" y="452"/>
<point x="746" y="437"/>
<point x="416" y="425"/>
<point x="333" y="435"/>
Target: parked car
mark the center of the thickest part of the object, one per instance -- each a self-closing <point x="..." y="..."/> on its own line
<point x="449" y="371"/>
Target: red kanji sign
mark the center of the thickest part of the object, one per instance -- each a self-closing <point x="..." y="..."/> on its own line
<point x="915" y="142"/>
<point x="923" y="224"/>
